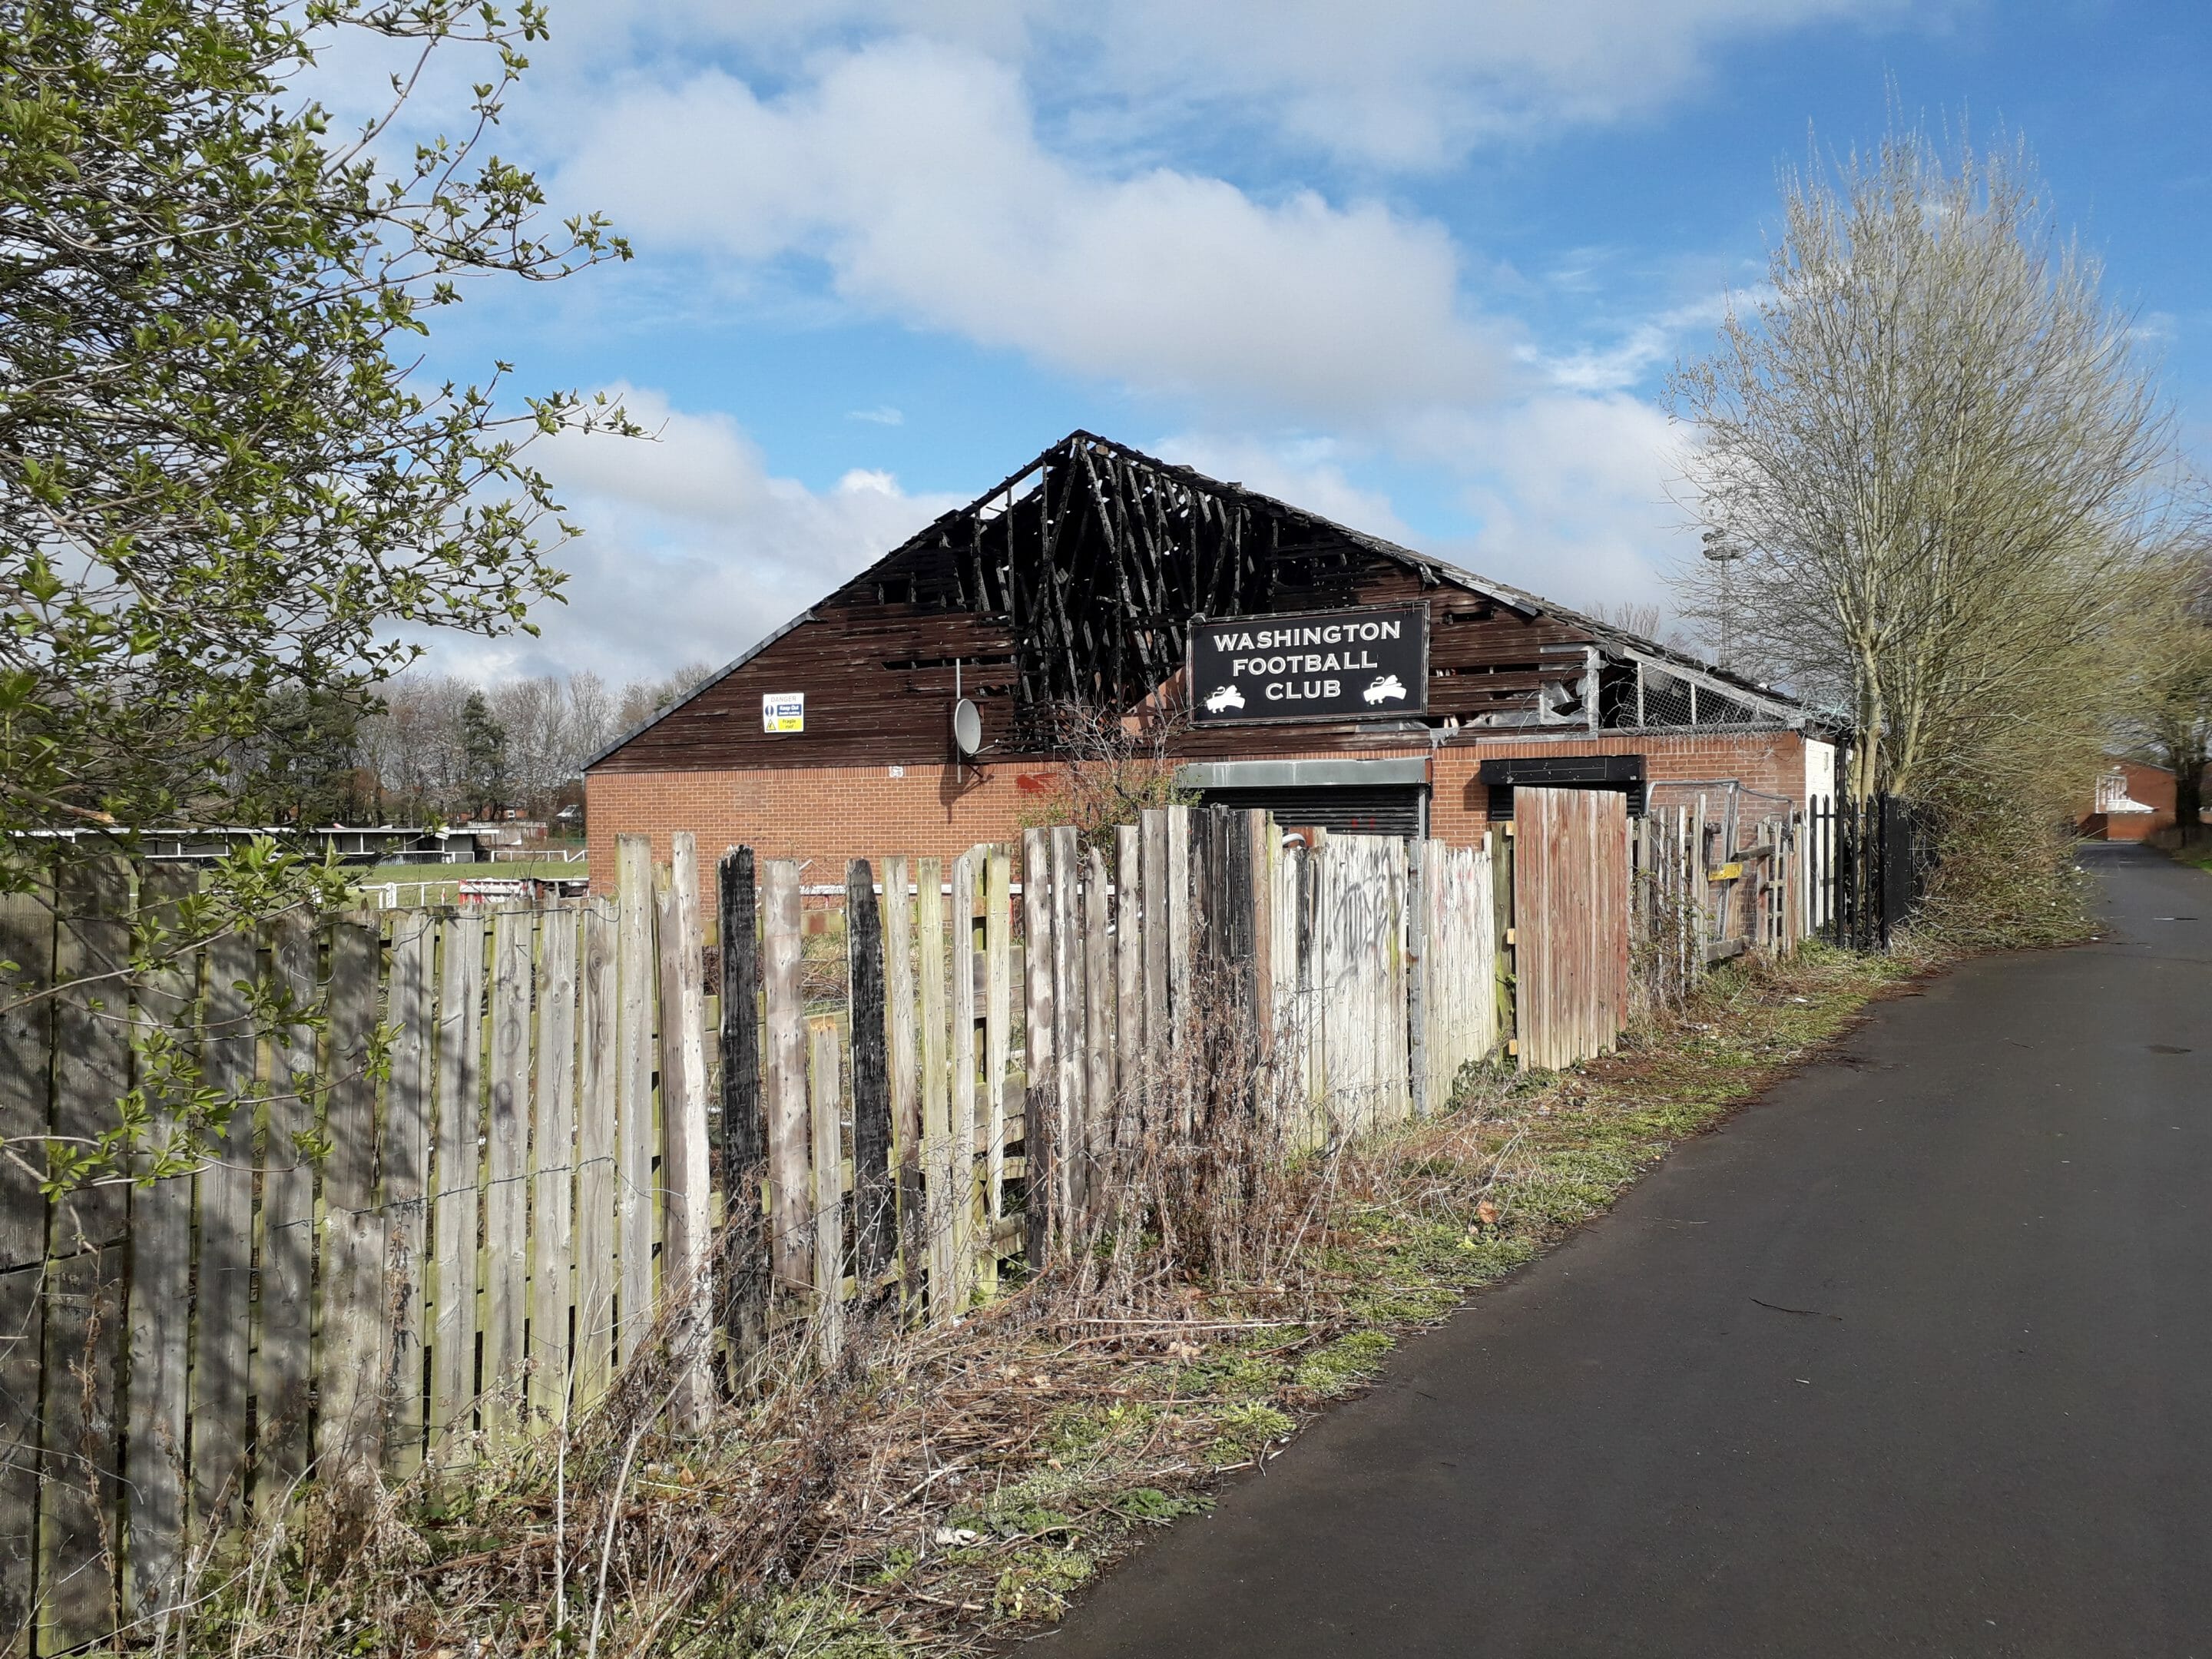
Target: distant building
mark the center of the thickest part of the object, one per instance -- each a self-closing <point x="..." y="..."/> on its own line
<point x="2134" y="800"/>
<point x="1333" y="677"/>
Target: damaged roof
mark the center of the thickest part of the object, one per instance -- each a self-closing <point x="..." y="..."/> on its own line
<point x="1076" y="578"/>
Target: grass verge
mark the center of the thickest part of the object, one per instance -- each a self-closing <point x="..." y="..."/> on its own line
<point x="2198" y="852"/>
<point x="944" y="1490"/>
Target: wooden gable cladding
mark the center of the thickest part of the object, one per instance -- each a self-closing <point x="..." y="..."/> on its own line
<point x="878" y="684"/>
<point x="1076" y="580"/>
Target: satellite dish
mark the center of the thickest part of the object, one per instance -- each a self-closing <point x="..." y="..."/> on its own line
<point x="967" y="726"/>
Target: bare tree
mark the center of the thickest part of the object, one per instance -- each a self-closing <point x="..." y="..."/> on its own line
<point x="1933" y="455"/>
<point x="642" y="699"/>
<point x="591" y="714"/>
<point x="541" y="751"/>
<point x="417" y="745"/>
<point x="2170" y="718"/>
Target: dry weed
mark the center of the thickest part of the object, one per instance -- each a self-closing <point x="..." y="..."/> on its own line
<point x="1232" y="1266"/>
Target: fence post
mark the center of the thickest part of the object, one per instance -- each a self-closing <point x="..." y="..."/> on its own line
<point x="1176" y="914"/>
<point x="1067" y="1128"/>
<point x="875" y="1197"/>
<point x="1042" y="1078"/>
<point x="828" y="1192"/>
<point x="1154" y="891"/>
<point x="790" y="1185"/>
<point x="411" y="1012"/>
<point x="633" y="1129"/>
<point x="159" y="1302"/>
<point x="745" y="1137"/>
<point x="348" y="1440"/>
<point x="1098" y="1027"/>
<point x="84" y="1286"/>
<point x="997" y="1017"/>
<point x="1502" y="883"/>
<point x="453" y="1210"/>
<point x="684" y="1261"/>
<point x="1128" y="976"/>
<point x="1420" y="864"/>
<point x="26" y="939"/>
<point x="1261" y="850"/>
<point x="600" y="1057"/>
<point x="287" y="1221"/>
<point x="960" y="1144"/>
<point x="936" y="1110"/>
<point x="553" y="1169"/>
<point x="506" y="1139"/>
<point x="905" y="1091"/>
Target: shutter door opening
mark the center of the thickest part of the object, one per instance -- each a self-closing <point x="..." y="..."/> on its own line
<point x="1340" y="809"/>
<point x="1623" y="774"/>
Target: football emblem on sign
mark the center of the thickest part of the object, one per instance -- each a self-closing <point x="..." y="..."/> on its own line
<point x="1226" y="696"/>
<point x="1386" y="688"/>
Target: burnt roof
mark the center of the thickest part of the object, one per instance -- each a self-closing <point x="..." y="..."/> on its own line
<point x="1430" y="570"/>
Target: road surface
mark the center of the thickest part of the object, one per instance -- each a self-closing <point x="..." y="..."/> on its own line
<point x="1914" y="1357"/>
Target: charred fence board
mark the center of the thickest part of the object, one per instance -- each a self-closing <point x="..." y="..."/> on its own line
<point x="744" y="1130"/>
<point x="875" y="1190"/>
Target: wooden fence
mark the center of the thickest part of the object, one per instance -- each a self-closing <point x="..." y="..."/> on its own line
<point x="649" y="1123"/>
<point x="1571" y="923"/>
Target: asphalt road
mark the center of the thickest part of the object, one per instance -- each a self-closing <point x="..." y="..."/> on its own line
<point x="1914" y="1357"/>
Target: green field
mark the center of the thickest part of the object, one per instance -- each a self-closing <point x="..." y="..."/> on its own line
<point x="440" y="882"/>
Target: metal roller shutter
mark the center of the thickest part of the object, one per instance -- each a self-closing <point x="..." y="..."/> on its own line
<point x="1340" y="809"/>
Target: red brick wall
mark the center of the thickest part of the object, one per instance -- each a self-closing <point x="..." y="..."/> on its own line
<point x="2154" y="786"/>
<point x="831" y="814"/>
<point x="1772" y="761"/>
<point x="826" y="814"/>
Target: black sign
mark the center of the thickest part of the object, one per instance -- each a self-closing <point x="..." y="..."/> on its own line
<point x="1368" y="664"/>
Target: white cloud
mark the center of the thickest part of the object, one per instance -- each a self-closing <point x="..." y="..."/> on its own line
<point x="692" y="548"/>
<point x="1306" y="472"/>
<point x="881" y="415"/>
<point x="914" y="172"/>
<point x="1573" y="493"/>
<point x="1416" y="83"/>
<point x="1641" y="346"/>
<point x="1396" y="84"/>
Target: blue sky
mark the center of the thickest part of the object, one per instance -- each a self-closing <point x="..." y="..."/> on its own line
<point x="1420" y="266"/>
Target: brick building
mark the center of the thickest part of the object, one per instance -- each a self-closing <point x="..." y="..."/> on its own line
<point x="2134" y="801"/>
<point x="1078" y="584"/>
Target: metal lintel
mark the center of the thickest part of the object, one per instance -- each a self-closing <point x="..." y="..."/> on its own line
<point x="1302" y="774"/>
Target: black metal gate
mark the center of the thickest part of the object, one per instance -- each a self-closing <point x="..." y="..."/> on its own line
<point x="1870" y="861"/>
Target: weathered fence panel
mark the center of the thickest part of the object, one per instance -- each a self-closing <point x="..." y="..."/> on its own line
<point x="1457" y="1010"/>
<point x="1360" y="938"/>
<point x="1570" y="923"/>
<point x="553" y="1170"/>
<point x="160" y="1293"/>
<point x="471" y="1248"/>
